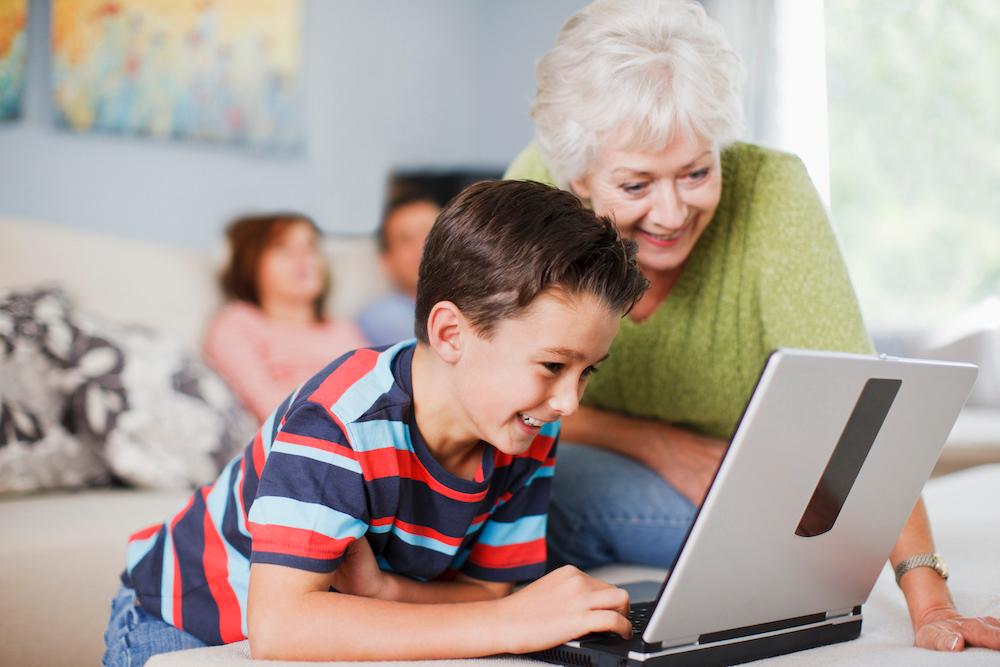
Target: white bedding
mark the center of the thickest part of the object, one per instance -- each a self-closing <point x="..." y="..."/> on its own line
<point x="965" y="514"/>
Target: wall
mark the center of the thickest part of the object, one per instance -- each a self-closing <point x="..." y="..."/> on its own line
<point x="418" y="83"/>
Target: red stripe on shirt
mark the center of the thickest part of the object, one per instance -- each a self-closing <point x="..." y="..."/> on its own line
<point x="316" y="443"/>
<point x="216" y="567"/>
<point x="350" y="371"/>
<point x="510" y="555"/>
<point x="296" y="542"/>
<point x="540" y="448"/>
<point x="392" y="462"/>
<point x="145" y="532"/>
<point x="257" y="453"/>
<point x="424" y="531"/>
<point x="239" y="490"/>
<point x="178" y="585"/>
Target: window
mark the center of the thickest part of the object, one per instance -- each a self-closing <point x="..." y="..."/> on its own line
<point x="914" y="122"/>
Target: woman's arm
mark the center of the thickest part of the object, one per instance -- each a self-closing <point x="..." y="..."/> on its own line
<point x="291" y="615"/>
<point x="807" y="300"/>
<point x="936" y="623"/>
<point x="687" y="460"/>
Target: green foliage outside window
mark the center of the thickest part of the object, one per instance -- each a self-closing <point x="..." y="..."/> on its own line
<point x="914" y="99"/>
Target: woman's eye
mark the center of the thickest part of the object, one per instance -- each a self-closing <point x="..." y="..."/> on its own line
<point x="633" y="188"/>
<point x="698" y="175"/>
<point x="553" y="367"/>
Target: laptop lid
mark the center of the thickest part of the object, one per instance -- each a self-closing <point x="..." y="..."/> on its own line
<point x="822" y="472"/>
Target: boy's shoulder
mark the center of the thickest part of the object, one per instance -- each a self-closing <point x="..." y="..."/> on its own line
<point x="362" y="385"/>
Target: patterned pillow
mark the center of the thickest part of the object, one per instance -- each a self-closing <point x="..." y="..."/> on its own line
<point x="36" y="451"/>
<point x="177" y="424"/>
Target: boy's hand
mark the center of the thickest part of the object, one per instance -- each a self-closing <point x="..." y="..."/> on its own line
<point x="359" y="573"/>
<point x="561" y="606"/>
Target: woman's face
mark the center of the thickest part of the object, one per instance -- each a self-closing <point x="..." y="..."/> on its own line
<point x="661" y="199"/>
<point x="291" y="269"/>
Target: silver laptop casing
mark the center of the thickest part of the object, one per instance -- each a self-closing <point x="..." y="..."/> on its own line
<point x="743" y="563"/>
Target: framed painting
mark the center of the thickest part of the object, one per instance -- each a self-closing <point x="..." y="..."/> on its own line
<point x="222" y="71"/>
<point x="13" y="53"/>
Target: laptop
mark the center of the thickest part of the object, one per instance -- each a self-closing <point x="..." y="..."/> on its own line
<point x="823" y="470"/>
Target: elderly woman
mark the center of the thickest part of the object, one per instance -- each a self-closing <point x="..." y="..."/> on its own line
<point x="637" y="109"/>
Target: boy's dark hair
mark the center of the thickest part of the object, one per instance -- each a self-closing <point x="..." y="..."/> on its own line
<point x="499" y="244"/>
<point x="249" y="236"/>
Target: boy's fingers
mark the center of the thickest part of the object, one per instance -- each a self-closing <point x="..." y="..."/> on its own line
<point x="606" y="620"/>
<point x="610" y="598"/>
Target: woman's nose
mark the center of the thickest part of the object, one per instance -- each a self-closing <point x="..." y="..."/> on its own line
<point x="668" y="210"/>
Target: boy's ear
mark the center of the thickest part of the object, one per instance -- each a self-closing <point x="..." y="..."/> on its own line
<point x="445" y="326"/>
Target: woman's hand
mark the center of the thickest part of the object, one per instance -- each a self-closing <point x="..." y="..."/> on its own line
<point x="947" y="630"/>
<point x="359" y="573"/>
<point x="561" y="606"/>
<point x="688" y="461"/>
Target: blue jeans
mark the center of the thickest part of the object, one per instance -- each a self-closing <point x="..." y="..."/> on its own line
<point x="133" y="636"/>
<point x="608" y="508"/>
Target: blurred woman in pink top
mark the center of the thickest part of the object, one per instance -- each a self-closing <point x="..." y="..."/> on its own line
<point x="273" y="334"/>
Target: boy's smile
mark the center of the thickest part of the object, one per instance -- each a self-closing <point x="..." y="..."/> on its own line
<point x="503" y="388"/>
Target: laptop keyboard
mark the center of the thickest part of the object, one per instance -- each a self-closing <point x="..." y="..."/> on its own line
<point x="639" y="614"/>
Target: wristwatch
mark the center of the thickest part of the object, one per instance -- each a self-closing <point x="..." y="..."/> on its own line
<point x="933" y="561"/>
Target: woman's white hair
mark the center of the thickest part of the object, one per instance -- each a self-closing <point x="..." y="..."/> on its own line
<point x="649" y="68"/>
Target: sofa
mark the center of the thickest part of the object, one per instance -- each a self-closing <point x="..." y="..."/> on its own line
<point x="61" y="552"/>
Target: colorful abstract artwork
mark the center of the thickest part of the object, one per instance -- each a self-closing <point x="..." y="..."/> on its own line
<point x="13" y="52"/>
<point x="226" y="71"/>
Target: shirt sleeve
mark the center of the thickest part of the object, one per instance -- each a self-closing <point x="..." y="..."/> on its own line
<point x="311" y="501"/>
<point x="805" y="295"/>
<point x="234" y="349"/>
<point x="510" y="546"/>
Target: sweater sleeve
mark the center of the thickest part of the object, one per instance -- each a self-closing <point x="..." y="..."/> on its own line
<point x="528" y="166"/>
<point x="234" y="348"/>
<point x="805" y="296"/>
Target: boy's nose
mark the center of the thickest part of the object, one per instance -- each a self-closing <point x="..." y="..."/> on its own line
<point x="565" y="400"/>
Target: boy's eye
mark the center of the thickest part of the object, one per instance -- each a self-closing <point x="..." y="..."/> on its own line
<point x="553" y="367"/>
<point x="588" y="371"/>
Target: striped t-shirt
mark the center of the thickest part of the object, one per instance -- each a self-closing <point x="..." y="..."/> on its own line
<point x="342" y="458"/>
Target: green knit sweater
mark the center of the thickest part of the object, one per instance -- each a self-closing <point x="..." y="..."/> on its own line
<point x="766" y="273"/>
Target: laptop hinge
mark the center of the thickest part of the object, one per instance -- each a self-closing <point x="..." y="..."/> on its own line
<point x="678" y="642"/>
<point x="837" y="613"/>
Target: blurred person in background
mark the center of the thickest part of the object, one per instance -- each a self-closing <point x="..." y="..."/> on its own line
<point x="407" y="221"/>
<point x="273" y="333"/>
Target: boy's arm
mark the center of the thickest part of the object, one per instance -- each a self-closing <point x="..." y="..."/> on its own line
<point x="292" y="615"/>
<point x="359" y="574"/>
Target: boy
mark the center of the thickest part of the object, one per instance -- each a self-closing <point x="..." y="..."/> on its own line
<point x="396" y="480"/>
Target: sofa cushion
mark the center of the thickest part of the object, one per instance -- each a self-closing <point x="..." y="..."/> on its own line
<point x="36" y="451"/>
<point x="177" y="423"/>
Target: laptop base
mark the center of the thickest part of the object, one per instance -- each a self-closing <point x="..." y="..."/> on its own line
<point x="728" y="652"/>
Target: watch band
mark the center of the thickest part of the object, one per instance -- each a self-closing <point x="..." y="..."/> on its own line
<point x="933" y="561"/>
